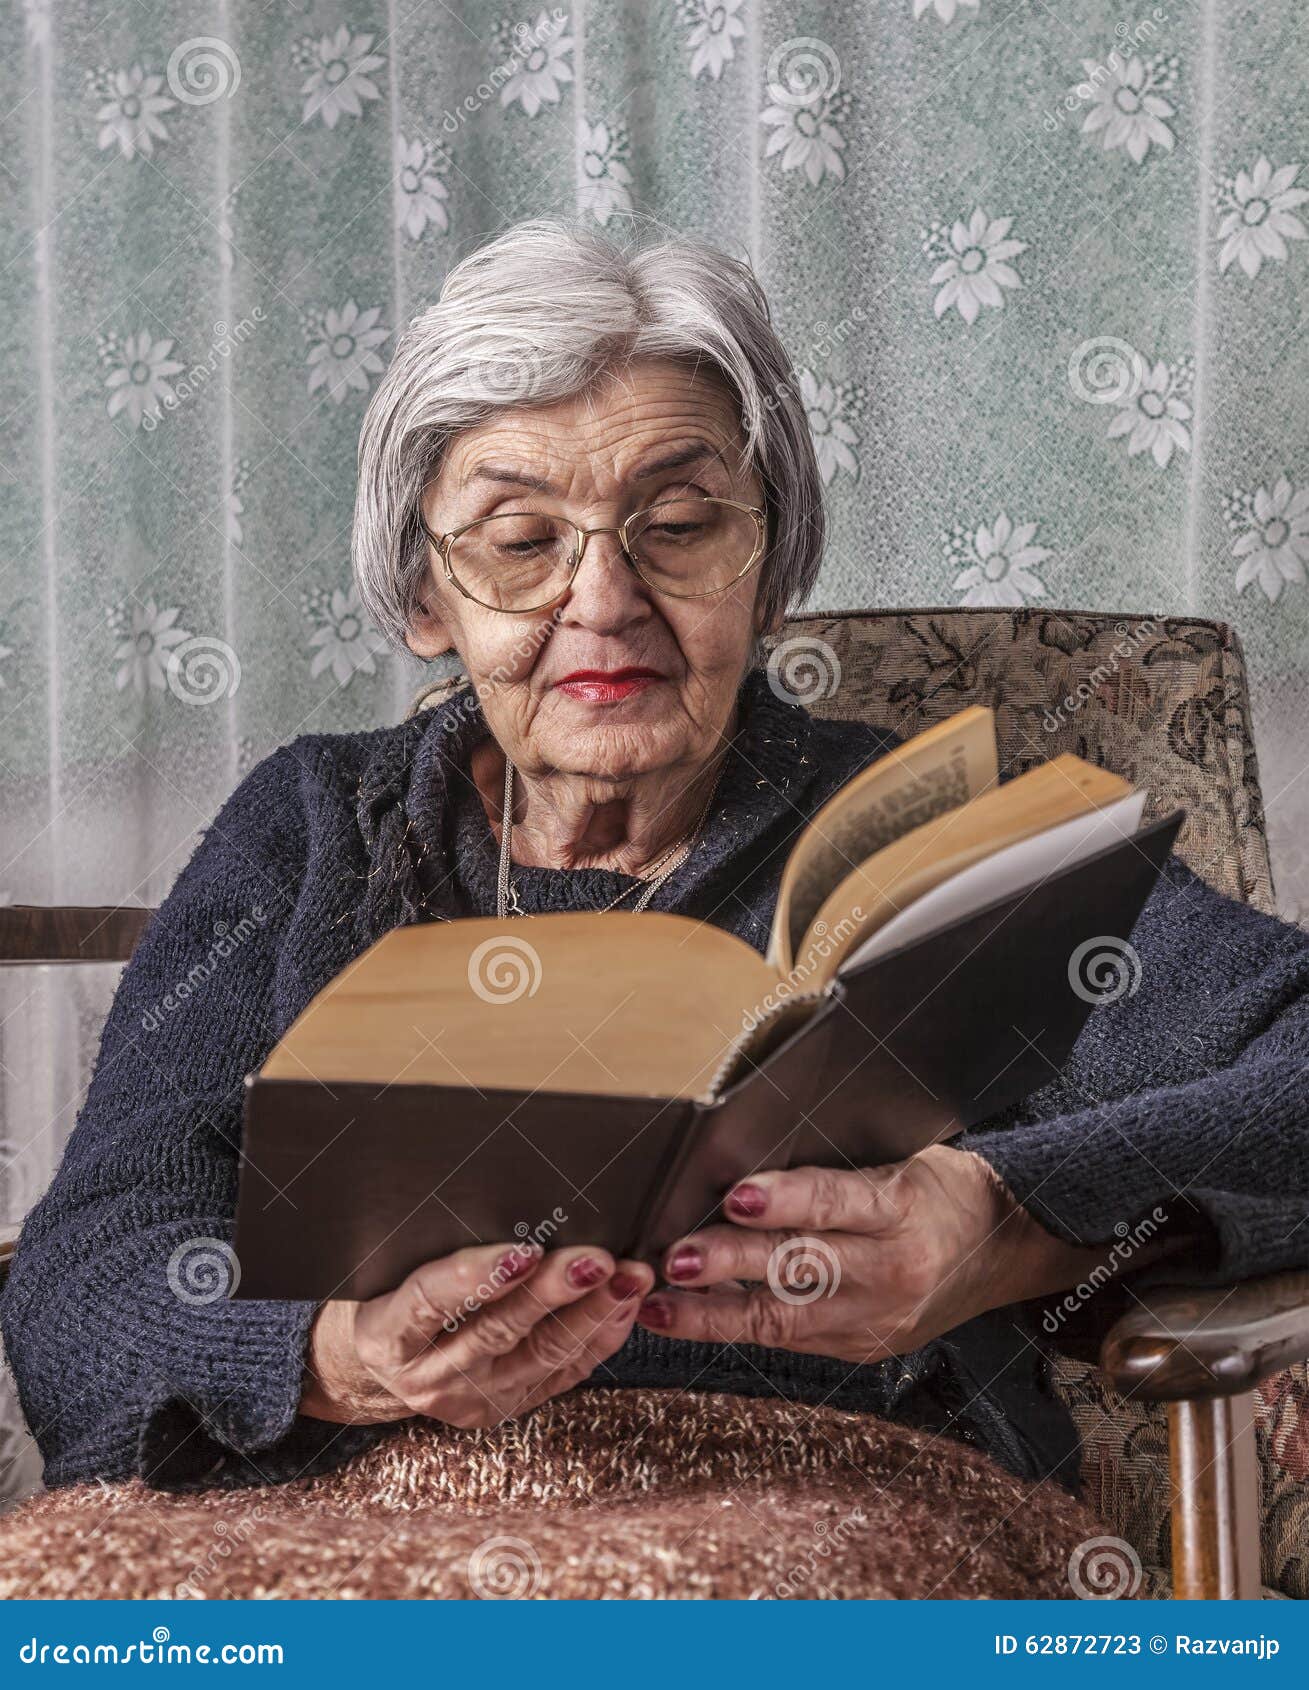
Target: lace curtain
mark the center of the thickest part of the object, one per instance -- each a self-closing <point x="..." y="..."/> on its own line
<point x="1041" y="269"/>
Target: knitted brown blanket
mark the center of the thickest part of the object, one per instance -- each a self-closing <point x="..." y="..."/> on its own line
<point x="601" y="1494"/>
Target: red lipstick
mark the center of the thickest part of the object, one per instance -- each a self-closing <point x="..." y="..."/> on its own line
<point x="607" y="686"/>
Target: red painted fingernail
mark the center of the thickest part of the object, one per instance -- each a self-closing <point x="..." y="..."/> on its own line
<point x="748" y="1200"/>
<point x="686" y="1263"/>
<point x="625" y="1286"/>
<point x="516" y="1262"/>
<point x="656" y="1313"/>
<point x="584" y="1273"/>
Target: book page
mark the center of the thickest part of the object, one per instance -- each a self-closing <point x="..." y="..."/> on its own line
<point x="934" y="772"/>
<point x="1006" y="872"/>
<point x="617" y="1004"/>
<point x="909" y="867"/>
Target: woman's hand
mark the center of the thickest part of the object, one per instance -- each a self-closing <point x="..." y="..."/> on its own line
<point x="473" y="1338"/>
<point x="861" y="1265"/>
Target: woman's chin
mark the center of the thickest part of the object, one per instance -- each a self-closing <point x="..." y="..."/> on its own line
<point x="632" y="736"/>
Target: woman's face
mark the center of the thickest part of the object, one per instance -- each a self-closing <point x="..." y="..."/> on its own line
<point x="595" y="459"/>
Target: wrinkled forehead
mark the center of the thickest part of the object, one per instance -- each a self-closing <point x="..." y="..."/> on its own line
<point x="632" y="427"/>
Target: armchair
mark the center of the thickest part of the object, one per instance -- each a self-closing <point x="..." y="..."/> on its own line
<point x="1163" y="701"/>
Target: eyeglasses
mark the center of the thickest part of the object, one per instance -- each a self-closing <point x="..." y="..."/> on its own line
<point x="524" y="560"/>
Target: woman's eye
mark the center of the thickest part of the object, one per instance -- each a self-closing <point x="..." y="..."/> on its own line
<point x="525" y="548"/>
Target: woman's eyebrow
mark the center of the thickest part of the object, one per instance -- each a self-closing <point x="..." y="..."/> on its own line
<point x="503" y="474"/>
<point x="696" y="451"/>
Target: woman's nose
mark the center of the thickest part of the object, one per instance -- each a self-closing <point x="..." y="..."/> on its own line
<point x="605" y="581"/>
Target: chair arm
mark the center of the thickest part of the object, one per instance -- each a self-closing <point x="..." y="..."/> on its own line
<point x="8" y="1244"/>
<point x="1185" y="1342"/>
<point x="32" y="933"/>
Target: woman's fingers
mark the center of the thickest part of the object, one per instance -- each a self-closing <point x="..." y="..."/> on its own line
<point x="565" y="1277"/>
<point x="437" y="1298"/>
<point x="731" y="1317"/>
<point x="718" y="1253"/>
<point x="870" y="1201"/>
<point x="568" y="1346"/>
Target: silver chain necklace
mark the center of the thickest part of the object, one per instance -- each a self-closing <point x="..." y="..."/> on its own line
<point x="506" y="898"/>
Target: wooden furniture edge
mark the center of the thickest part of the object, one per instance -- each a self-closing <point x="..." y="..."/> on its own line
<point x="1203" y="1351"/>
<point x="1188" y="1343"/>
<point x="39" y="933"/>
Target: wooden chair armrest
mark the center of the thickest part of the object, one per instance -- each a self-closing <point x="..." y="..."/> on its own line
<point x="8" y="1244"/>
<point x="32" y="933"/>
<point x="1186" y="1343"/>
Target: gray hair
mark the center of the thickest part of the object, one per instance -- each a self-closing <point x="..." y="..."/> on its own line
<point x="539" y="314"/>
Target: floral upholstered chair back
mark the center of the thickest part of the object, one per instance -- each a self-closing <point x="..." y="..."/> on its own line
<point x="1163" y="702"/>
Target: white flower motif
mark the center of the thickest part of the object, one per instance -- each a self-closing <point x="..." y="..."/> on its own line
<point x="1155" y="413"/>
<point x="1127" y="108"/>
<point x="1273" y="536"/>
<point x="944" y="9"/>
<point x="805" y="132"/>
<point x="1258" y="215"/>
<point x="130" y="110"/>
<point x="543" y="68"/>
<point x="604" y="174"/>
<point x="715" y="29"/>
<point x="146" y="635"/>
<point x="338" y="81"/>
<point x="998" y="563"/>
<point x="347" y="643"/>
<point x="974" y="263"/>
<point x="828" y="407"/>
<point x="138" y="372"/>
<point x="342" y="355"/>
<point x="421" y="191"/>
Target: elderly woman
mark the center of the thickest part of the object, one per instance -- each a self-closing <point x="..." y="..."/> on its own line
<point x="588" y="476"/>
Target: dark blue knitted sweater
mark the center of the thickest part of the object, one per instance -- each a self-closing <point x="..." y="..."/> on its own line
<point x="1189" y="1095"/>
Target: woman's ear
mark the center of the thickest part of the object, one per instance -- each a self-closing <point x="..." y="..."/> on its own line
<point x="428" y="634"/>
<point x="767" y="625"/>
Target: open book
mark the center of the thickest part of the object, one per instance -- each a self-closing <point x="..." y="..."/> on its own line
<point x="604" y="1078"/>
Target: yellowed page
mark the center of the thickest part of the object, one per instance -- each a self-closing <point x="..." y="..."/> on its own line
<point x="1053" y="792"/>
<point x="635" y="1005"/>
<point x="935" y="771"/>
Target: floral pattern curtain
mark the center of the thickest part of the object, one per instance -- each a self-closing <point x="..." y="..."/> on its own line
<point x="1041" y="268"/>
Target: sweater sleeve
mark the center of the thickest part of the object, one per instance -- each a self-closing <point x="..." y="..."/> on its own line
<point x="129" y="1355"/>
<point x="1185" y="1104"/>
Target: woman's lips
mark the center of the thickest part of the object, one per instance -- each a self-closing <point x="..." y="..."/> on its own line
<point x="601" y="686"/>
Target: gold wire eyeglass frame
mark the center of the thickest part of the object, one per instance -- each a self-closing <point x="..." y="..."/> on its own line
<point x="443" y="543"/>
